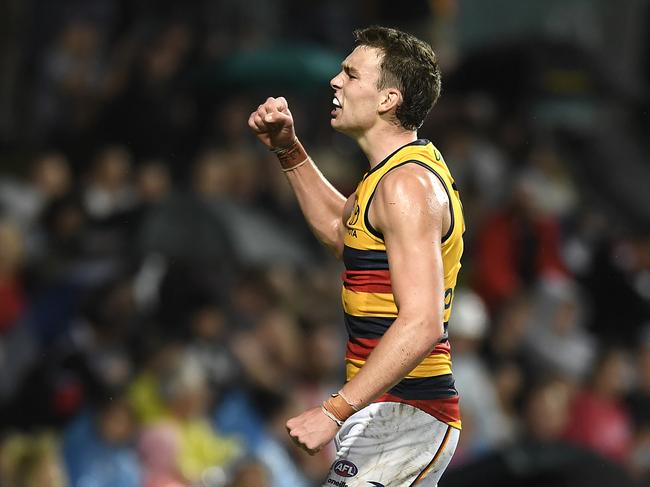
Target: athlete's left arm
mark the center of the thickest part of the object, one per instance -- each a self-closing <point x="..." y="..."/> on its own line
<point x="409" y="208"/>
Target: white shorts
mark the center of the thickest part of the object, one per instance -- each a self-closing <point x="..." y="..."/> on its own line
<point x="390" y="444"/>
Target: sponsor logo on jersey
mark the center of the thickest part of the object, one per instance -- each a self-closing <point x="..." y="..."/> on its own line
<point x="345" y="468"/>
<point x="336" y="483"/>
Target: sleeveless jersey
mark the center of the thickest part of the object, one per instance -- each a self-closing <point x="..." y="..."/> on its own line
<point x="368" y="302"/>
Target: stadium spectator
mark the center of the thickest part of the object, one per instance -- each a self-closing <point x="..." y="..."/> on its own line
<point x="486" y="425"/>
<point x="31" y="461"/>
<point x="599" y="419"/>
<point x="98" y="446"/>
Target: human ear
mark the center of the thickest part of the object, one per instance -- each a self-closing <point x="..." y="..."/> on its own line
<point x="390" y="98"/>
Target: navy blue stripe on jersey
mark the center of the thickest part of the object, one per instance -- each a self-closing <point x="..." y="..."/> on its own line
<point x="367" y="326"/>
<point x="361" y="260"/>
<point x="445" y="332"/>
<point x="376" y="326"/>
<point x="439" y="387"/>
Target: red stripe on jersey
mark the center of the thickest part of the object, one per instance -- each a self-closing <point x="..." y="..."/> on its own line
<point x="446" y="410"/>
<point x="360" y="348"/>
<point x="368" y="281"/>
<point x="443" y="347"/>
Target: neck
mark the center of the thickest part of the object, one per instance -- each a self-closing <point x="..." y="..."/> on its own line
<point x="379" y="142"/>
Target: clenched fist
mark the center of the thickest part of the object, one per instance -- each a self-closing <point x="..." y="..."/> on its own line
<point x="273" y="124"/>
<point x="312" y="430"/>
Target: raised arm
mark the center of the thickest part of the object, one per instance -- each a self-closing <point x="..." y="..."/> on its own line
<point x="319" y="201"/>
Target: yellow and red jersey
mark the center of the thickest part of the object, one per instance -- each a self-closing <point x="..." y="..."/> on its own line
<point x="368" y="301"/>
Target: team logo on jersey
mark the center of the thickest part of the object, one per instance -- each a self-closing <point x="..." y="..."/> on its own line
<point x="354" y="218"/>
<point x="345" y="468"/>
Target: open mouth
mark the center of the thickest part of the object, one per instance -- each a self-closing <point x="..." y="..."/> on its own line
<point x="337" y="106"/>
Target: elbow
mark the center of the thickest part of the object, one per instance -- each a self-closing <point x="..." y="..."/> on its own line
<point x="434" y="332"/>
<point x="428" y="331"/>
<point x="338" y="249"/>
<point x="335" y="246"/>
<point x="336" y="242"/>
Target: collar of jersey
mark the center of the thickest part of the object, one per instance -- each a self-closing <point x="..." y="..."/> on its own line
<point x="382" y="163"/>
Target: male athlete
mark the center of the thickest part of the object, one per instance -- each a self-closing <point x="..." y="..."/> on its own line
<point x="396" y="419"/>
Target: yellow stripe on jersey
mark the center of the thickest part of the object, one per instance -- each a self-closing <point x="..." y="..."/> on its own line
<point x="368" y="304"/>
<point x="432" y="366"/>
<point x="352" y="366"/>
<point x="360" y="240"/>
<point x="439" y="364"/>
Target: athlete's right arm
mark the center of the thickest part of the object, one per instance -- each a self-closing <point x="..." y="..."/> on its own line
<point x="319" y="201"/>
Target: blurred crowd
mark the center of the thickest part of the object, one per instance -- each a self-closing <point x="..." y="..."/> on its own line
<point x="164" y="308"/>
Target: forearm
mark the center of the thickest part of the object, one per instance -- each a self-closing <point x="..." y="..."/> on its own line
<point x="321" y="204"/>
<point x="404" y="345"/>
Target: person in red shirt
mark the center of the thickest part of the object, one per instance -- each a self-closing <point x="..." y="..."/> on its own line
<point x="599" y="419"/>
<point x="12" y="298"/>
<point x="515" y="248"/>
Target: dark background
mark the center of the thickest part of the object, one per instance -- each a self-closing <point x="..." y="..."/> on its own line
<point x="164" y="308"/>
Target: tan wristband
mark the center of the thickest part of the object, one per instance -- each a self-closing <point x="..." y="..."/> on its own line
<point x="338" y="422"/>
<point x="291" y="157"/>
<point x="338" y="407"/>
<point x="356" y="408"/>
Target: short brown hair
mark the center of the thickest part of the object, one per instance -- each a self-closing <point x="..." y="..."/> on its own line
<point x="409" y="65"/>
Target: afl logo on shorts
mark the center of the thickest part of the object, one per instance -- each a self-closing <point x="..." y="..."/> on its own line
<point x="345" y="468"/>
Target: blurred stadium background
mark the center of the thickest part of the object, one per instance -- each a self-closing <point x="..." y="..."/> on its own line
<point x="164" y="308"/>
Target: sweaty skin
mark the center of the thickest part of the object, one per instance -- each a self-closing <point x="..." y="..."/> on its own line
<point x="410" y="209"/>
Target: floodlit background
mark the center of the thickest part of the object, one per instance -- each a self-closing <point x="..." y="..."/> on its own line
<point x="164" y="308"/>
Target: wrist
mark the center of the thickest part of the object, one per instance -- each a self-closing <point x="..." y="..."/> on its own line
<point x="281" y="150"/>
<point x="331" y="416"/>
<point x="338" y="408"/>
<point x="292" y="156"/>
<point x="356" y="406"/>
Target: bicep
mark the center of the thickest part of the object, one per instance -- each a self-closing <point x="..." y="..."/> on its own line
<point x="416" y="272"/>
<point x="409" y="211"/>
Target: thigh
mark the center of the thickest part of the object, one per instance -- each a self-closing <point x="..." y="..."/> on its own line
<point x="391" y="445"/>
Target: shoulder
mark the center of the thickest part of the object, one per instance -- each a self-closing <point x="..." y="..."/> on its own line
<point x="409" y="196"/>
<point x="411" y="184"/>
